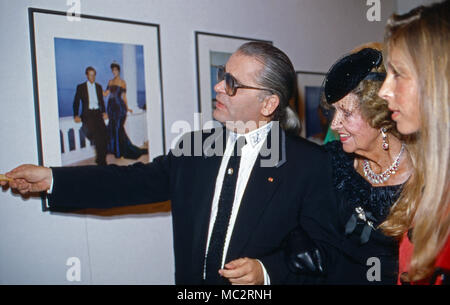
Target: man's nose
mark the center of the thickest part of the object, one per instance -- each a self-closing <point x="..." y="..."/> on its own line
<point x="220" y="87"/>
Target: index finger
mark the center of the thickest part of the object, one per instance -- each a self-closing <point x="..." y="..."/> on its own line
<point x="4" y="178"/>
<point x="18" y="172"/>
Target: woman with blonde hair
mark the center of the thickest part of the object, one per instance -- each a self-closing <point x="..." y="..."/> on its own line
<point x="416" y="88"/>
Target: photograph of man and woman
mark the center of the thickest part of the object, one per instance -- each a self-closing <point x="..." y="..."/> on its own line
<point x="101" y="102"/>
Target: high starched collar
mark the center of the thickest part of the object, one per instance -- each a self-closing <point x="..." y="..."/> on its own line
<point x="253" y="137"/>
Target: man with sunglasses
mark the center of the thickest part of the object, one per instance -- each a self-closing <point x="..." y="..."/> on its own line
<point x="231" y="208"/>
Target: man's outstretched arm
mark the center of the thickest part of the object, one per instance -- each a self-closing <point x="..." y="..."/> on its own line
<point x="96" y="186"/>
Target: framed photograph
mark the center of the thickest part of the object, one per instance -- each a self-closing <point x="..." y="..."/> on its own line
<point x="212" y="50"/>
<point x="314" y="122"/>
<point x="97" y="89"/>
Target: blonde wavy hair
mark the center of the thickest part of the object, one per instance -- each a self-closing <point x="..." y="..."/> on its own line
<point x="423" y="35"/>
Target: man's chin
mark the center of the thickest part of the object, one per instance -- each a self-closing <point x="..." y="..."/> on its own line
<point x="216" y="115"/>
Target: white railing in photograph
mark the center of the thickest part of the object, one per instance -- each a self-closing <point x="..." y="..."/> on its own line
<point x="135" y="127"/>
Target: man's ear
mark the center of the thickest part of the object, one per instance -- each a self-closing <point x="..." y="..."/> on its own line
<point x="270" y="104"/>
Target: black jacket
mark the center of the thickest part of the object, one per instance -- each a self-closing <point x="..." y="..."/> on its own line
<point x="272" y="205"/>
<point x="82" y="94"/>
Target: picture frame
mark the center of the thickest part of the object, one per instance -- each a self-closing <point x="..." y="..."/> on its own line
<point x="61" y="48"/>
<point x="211" y="51"/>
<point x="309" y="87"/>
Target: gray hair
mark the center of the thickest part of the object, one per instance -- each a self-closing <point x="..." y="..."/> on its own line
<point x="278" y="75"/>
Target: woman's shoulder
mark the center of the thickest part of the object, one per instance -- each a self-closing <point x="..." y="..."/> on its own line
<point x="350" y="186"/>
<point x="334" y="147"/>
<point x="342" y="162"/>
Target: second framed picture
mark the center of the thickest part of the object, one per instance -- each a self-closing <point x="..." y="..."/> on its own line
<point x="314" y="122"/>
<point x="212" y="51"/>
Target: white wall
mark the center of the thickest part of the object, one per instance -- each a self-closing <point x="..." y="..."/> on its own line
<point x="34" y="246"/>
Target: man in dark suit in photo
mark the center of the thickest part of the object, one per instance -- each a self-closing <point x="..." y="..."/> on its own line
<point x="93" y="114"/>
<point x="233" y="207"/>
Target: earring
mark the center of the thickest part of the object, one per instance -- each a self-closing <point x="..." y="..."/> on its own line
<point x="385" y="144"/>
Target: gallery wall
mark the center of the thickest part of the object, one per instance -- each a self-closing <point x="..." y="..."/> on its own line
<point x="136" y="248"/>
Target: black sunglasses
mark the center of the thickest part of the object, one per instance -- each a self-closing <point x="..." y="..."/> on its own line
<point x="231" y="84"/>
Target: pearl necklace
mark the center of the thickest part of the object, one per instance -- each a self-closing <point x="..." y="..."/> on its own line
<point x="384" y="176"/>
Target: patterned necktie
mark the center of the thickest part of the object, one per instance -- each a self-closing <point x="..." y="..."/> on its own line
<point x="215" y="253"/>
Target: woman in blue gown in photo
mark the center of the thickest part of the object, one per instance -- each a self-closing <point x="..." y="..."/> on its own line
<point x="119" y="143"/>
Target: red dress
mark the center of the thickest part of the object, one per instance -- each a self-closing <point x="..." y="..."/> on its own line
<point x="442" y="265"/>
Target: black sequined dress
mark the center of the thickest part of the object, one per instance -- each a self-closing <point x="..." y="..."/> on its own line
<point x="363" y="255"/>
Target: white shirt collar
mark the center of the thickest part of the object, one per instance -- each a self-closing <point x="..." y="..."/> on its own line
<point x="254" y="137"/>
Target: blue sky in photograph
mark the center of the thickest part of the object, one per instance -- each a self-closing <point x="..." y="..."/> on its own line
<point x="72" y="56"/>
